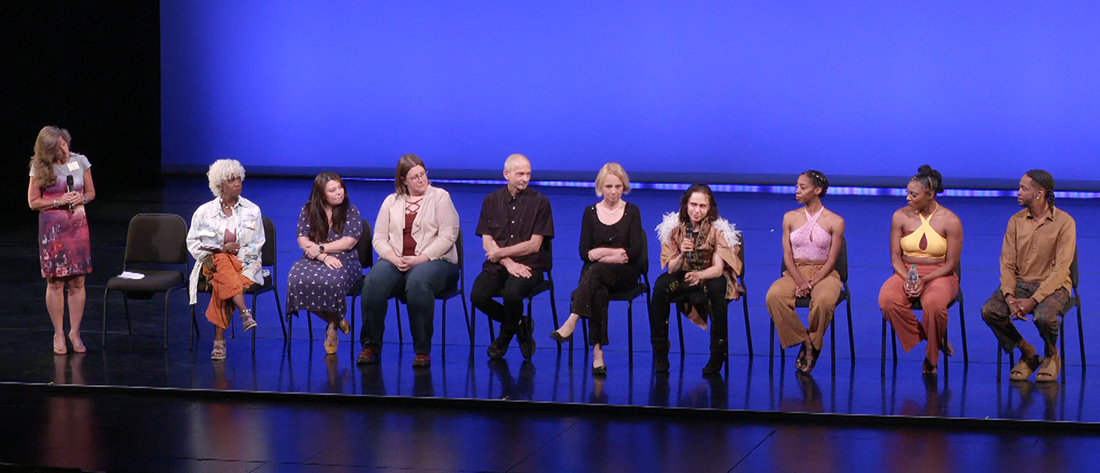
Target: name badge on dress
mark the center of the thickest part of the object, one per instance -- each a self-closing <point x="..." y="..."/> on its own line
<point x="74" y="166"/>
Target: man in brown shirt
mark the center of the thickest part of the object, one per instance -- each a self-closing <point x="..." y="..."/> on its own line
<point x="515" y="221"/>
<point x="1039" y="247"/>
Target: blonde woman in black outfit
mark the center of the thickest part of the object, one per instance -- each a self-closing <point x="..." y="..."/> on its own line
<point x="611" y="246"/>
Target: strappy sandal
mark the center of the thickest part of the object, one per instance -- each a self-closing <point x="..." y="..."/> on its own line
<point x="927" y="367"/>
<point x="247" y="321"/>
<point x="1049" y="370"/>
<point x="344" y="326"/>
<point x="1025" y="367"/>
<point x="331" y="343"/>
<point x="800" y="362"/>
<point x="810" y="361"/>
<point x="218" y="353"/>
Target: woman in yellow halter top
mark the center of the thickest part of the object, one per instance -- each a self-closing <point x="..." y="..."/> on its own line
<point x="928" y="237"/>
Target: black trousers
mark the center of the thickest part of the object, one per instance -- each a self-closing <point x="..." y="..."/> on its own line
<point x="669" y="285"/>
<point x="513" y="289"/>
<point x="590" y="300"/>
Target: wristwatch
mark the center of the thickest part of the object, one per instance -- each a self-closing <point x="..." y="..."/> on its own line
<point x="321" y="247"/>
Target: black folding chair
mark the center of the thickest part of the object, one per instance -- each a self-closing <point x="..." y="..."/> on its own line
<point x="547" y="284"/>
<point x="845" y="296"/>
<point x="915" y="304"/>
<point x="445" y="296"/>
<point x="1074" y="301"/>
<point x="697" y="298"/>
<point x="157" y="242"/>
<point x="270" y="272"/>
<point x="628" y="296"/>
<point x="365" y="248"/>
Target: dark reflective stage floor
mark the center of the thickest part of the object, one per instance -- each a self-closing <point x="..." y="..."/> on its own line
<point x="859" y="387"/>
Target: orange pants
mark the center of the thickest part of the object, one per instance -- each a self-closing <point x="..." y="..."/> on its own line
<point x="897" y="309"/>
<point x="823" y="296"/>
<point x="223" y="274"/>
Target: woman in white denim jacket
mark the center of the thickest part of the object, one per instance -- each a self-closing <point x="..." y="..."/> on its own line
<point x="225" y="239"/>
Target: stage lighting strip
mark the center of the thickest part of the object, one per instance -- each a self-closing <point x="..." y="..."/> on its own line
<point x="756" y="189"/>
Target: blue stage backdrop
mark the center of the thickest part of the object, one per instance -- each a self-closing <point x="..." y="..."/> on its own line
<point x="863" y="89"/>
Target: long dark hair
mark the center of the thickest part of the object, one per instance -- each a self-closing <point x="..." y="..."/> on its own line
<point x="318" y="225"/>
<point x="929" y="178"/>
<point x="701" y="188"/>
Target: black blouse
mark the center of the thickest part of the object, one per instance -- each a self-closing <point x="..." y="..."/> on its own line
<point x="627" y="233"/>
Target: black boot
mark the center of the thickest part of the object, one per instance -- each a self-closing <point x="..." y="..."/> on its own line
<point x="719" y="354"/>
<point x="660" y="355"/>
<point x="499" y="347"/>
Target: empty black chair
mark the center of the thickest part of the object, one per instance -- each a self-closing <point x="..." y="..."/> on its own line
<point x="845" y="296"/>
<point x="270" y="274"/>
<point x="157" y="242"/>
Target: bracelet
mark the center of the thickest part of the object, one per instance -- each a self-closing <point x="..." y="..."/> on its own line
<point x="55" y="204"/>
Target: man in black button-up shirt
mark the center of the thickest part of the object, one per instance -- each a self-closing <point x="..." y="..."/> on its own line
<point x="515" y="221"/>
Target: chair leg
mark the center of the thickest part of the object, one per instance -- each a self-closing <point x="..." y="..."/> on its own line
<point x="309" y="326"/>
<point x="443" y="349"/>
<point x="279" y="307"/>
<point x="105" y="292"/>
<point x="400" y="334"/>
<point x="1000" y="353"/>
<point x="771" y="346"/>
<point x="126" y="307"/>
<point x="680" y="329"/>
<point x="1062" y="345"/>
<point x="748" y="328"/>
<point x="832" y="341"/>
<point x="166" y="294"/>
<point x="290" y="316"/>
<point x="351" y="322"/>
<point x="962" y="325"/>
<point x="629" y="332"/>
<point x="466" y="316"/>
<point x="882" y="357"/>
<point x="851" y="337"/>
<point x="191" y="337"/>
<point x="553" y="305"/>
<point x="1080" y="332"/>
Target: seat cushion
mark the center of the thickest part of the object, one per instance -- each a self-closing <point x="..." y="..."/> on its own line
<point x="153" y="281"/>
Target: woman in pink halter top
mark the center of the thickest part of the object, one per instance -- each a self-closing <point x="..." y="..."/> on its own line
<point x="927" y="237"/>
<point x="812" y="237"/>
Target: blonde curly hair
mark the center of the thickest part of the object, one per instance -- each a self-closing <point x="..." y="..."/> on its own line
<point x="221" y="171"/>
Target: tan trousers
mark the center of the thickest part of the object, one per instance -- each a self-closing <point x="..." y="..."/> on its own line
<point x="823" y="297"/>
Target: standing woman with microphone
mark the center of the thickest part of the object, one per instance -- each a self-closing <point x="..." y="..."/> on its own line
<point x="60" y="186"/>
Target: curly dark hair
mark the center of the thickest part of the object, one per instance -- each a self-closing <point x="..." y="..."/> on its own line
<point x="701" y="188"/>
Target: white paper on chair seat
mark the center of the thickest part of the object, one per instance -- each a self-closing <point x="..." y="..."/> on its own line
<point x="131" y="275"/>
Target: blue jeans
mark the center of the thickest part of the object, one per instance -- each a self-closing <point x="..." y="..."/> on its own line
<point x="419" y="286"/>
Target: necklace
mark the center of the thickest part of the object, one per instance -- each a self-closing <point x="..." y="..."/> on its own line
<point x="610" y="210"/>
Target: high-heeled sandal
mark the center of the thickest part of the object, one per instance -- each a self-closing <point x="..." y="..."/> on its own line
<point x="218" y="353"/>
<point x="344" y="326"/>
<point x="247" y="321"/>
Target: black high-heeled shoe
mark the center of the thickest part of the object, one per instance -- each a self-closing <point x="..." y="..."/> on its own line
<point x="560" y="339"/>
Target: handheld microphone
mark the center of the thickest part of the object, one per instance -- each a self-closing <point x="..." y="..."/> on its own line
<point x="69" y="186"/>
<point x="689" y="233"/>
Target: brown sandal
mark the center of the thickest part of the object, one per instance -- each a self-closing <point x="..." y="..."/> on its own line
<point x="1049" y="370"/>
<point x="1024" y="368"/>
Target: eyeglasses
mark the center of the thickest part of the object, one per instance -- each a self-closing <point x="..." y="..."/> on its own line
<point x="417" y="177"/>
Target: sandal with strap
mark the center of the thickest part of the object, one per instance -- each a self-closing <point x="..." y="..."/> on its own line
<point x="218" y="353"/>
<point x="1025" y="367"/>
<point x="331" y="343"/>
<point x="811" y="360"/>
<point x="1049" y="370"/>
<point x="247" y="321"/>
<point x="344" y="326"/>
<point x="800" y="362"/>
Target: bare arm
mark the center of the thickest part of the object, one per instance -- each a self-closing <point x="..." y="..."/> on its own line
<point x="895" y="245"/>
<point x="788" y="252"/>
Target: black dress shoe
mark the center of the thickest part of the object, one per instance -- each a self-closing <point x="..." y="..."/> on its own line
<point x="560" y="339"/>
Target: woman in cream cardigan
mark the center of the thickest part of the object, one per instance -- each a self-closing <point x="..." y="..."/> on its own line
<point x="414" y="237"/>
